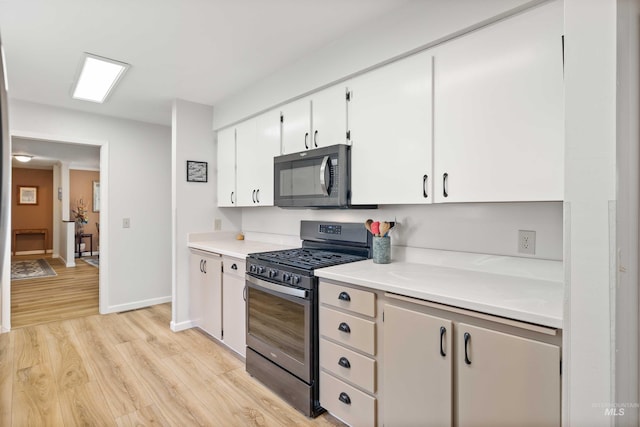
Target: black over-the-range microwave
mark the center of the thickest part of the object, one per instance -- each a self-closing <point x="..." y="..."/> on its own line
<point x="318" y="178"/>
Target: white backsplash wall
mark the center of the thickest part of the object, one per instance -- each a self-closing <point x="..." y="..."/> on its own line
<point x="490" y="228"/>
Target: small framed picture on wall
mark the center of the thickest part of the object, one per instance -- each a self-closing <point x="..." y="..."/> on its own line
<point x="27" y="195"/>
<point x="196" y="171"/>
<point x="96" y="196"/>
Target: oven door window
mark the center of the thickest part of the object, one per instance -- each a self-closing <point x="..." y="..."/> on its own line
<point x="278" y="322"/>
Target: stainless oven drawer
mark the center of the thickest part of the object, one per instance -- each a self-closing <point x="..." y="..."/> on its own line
<point x="348" y="330"/>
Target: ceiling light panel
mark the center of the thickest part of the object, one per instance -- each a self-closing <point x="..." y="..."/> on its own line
<point x="97" y="78"/>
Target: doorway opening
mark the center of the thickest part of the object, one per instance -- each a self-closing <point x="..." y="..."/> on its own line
<point x="58" y="239"/>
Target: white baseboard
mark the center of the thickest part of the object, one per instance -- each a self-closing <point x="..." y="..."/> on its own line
<point x="135" y="305"/>
<point x="181" y="326"/>
<point x="38" y="252"/>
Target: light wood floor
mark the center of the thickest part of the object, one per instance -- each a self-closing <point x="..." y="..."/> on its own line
<point x="130" y="369"/>
<point x="72" y="293"/>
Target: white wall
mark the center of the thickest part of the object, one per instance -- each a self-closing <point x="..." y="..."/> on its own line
<point x="590" y="208"/>
<point x="194" y="204"/>
<point x="628" y="158"/>
<point x="490" y="228"/>
<point x="416" y="25"/>
<point x="138" y="175"/>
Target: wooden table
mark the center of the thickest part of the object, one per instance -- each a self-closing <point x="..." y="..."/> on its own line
<point x="81" y="236"/>
<point x="19" y="231"/>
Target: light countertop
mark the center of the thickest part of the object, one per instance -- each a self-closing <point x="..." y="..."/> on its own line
<point x="235" y="248"/>
<point x="520" y="298"/>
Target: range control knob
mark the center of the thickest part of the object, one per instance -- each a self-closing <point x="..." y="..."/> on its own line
<point x="295" y="280"/>
<point x="260" y="269"/>
<point x="273" y="273"/>
<point x="286" y="277"/>
<point x="252" y="268"/>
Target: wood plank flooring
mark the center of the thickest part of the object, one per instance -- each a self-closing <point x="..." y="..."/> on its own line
<point x="72" y="293"/>
<point x="130" y="369"/>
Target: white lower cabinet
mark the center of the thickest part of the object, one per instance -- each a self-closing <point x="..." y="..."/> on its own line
<point x="205" y="292"/>
<point x="348" y="365"/>
<point x="233" y="304"/>
<point x="391" y="360"/>
<point x="417" y="369"/>
<point x="441" y="371"/>
<point x="217" y="298"/>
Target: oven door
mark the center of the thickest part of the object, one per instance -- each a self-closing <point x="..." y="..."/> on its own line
<point x="279" y="325"/>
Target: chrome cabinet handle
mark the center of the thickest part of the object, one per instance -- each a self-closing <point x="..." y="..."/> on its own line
<point x="324" y="181"/>
<point x="244" y="293"/>
<point x="201" y="267"/>
<point x="253" y="196"/>
<point x="258" y="195"/>
<point x="232" y="197"/>
<point x="443" y="331"/>
<point x="204" y="266"/>
<point x="234" y="266"/>
<point x="315" y="138"/>
<point x="306" y="137"/>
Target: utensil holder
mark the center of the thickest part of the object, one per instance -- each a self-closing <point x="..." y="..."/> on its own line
<point x="381" y="250"/>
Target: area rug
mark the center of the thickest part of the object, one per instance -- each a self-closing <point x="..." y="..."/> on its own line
<point x="95" y="261"/>
<point x="31" y="269"/>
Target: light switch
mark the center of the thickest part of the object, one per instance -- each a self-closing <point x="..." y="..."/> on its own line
<point x="126" y="222"/>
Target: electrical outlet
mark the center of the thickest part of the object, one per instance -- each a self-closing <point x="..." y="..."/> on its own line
<point x="527" y="242"/>
<point x="126" y="222"/>
<point x="217" y="224"/>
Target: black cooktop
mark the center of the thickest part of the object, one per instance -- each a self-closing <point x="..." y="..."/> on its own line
<point x="307" y="259"/>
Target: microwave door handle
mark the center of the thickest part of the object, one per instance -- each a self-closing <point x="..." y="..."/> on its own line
<point x="323" y="175"/>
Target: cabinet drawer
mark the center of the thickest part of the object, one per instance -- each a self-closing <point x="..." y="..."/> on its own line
<point x="348" y="365"/>
<point x="356" y="300"/>
<point x="360" y="409"/>
<point x="229" y="263"/>
<point x="359" y="333"/>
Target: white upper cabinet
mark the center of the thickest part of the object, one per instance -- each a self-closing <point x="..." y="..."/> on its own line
<point x="296" y="126"/>
<point x="258" y="141"/>
<point x="315" y="121"/>
<point x="227" y="167"/>
<point x="498" y="107"/>
<point x="390" y="123"/>
<point x="329" y="117"/>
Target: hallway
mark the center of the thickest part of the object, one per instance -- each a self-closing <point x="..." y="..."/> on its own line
<point x="72" y="293"/>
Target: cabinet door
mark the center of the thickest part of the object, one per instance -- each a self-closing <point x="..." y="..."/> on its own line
<point x="505" y="380"/>
<point x="211" y="297"/>
<point x="329" y="117"/>
<point x="196" y="280"/>
<point x="246" y="146"/>
<point x="498" y="110"/>
<point x="234" y="311"/>
<point x="390" y="123"/>
<point x="227" y="167"/>
<point x="258" y="142"/>
<point x="417" y="376"/>
<point x="296" y="126"/>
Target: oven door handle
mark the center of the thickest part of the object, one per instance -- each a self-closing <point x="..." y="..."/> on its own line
<point x="295" y="292"/>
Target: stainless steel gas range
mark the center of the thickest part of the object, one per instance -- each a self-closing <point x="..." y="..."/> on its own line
<point x="282" y="308"/>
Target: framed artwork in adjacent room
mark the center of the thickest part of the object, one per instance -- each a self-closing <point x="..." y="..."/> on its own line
<point x="27" y="195"/>
<point x="96" y="196"/>
<point x="196" y="171"/>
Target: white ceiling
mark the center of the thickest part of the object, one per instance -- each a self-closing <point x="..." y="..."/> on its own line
<point x="47" y="153"/>
<point x="196" y="50"/>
